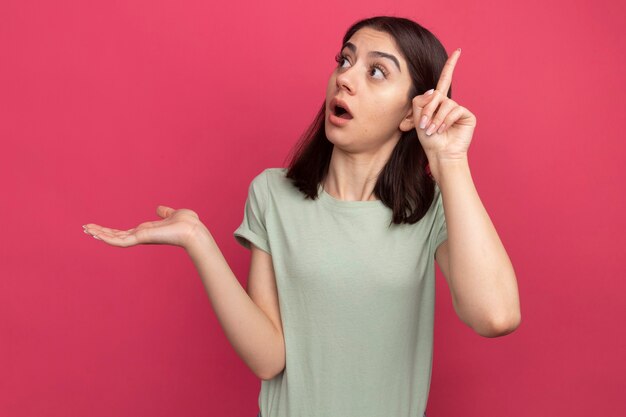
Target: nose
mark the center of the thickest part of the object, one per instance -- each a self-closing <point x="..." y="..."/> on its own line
<point x="344" y="80"/>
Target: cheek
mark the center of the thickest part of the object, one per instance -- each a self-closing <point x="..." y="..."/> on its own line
<point x="383" y="114"/>
<point x="331" y="82"/>
<point x="395" y="111"/>
<point x="383" y="119"/>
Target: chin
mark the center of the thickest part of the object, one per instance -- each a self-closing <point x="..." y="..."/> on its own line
<point x="343" y="143"/>
<point x="326" y="129"/>
<point x="329" y="136"/>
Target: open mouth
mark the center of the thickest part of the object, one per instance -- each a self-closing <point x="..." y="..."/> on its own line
<point x="342" y="113"/>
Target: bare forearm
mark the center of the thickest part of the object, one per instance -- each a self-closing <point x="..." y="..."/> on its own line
<point x="481" y="274"/>
<point x="248" y="329"/>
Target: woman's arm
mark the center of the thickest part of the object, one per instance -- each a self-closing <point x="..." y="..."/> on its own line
<point x="255" y="338"/>
<point x="473" y="260"/>
<point x="254" y="328"/>
<point x="251" y="322"/>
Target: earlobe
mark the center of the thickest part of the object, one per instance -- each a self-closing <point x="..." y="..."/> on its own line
<point x="407" y="123"/>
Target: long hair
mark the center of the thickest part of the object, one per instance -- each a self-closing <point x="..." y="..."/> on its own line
<point x="404" y="184"/>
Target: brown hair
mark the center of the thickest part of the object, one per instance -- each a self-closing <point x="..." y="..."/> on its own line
<point x="404" y="185"/>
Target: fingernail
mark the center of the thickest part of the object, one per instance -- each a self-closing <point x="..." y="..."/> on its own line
<point x="431" y="129"/>
<point x="85" y="230"/>
<point x="423" y="121"/>
<point x="443" y="126"/>
<point x="96" y="237"/>
<point x="429" y="92"/>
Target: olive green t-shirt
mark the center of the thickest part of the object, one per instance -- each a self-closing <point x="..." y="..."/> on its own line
<point x="356" y="301"/>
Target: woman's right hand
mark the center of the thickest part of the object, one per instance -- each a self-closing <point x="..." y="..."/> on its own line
<point x="176" y="228"/>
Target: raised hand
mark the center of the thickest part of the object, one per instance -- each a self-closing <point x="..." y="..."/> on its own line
<point x="444" y="128"/>
<point x="176" y="228"/>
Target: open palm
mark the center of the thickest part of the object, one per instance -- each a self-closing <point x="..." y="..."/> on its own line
<point x="176" y="229"/>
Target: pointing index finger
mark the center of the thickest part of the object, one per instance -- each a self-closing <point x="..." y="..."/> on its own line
<point x="445" y="79"/>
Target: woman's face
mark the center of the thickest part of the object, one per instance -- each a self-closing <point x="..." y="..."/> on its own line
<point x="373" y="81"/>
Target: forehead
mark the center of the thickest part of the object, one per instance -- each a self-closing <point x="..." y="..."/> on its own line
<point x="368" y="39"/>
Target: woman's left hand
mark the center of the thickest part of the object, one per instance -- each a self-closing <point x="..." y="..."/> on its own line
<point x="444" y="128"/>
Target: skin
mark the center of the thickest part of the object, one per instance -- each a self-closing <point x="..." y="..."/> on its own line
<point x="473" y="260"/>
<point x="379" y="103"/>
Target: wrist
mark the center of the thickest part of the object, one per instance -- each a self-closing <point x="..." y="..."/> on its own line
<point x="452" y="170"/>
<point x="446" y="166"/>
<point x="198" y="236"/>
<point x="451" y="160"/>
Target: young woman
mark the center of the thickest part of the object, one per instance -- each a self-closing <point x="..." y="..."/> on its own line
<point x="337" y="319"/>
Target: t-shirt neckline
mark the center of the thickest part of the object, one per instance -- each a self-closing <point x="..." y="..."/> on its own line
<point x="331" y="201"/>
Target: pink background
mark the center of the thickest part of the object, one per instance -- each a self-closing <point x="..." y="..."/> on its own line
<point x="108" y="109"/>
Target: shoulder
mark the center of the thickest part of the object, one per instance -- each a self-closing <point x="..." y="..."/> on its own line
<point x="270" y="174"/>
<point x="269" y="181"/>
<point x="273" y="179"/>
<point x="263" y="178"/>
<point x="273" y="174"/>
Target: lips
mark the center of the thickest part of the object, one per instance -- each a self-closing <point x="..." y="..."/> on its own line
<point x="340" y="109"/>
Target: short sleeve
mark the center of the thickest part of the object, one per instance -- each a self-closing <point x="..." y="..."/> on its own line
<point x="440" y="228"/>
<point x="252" y="228"/>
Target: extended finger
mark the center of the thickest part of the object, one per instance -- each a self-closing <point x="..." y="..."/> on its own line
<point x="445" y="79"/>
<point x="122" y="241"/>
<point x="93" y="229"/>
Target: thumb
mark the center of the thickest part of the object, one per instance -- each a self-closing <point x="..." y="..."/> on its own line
<point x="411" y="120"/>
<point x="420" y="101"/>
<point x="164" y="211"/>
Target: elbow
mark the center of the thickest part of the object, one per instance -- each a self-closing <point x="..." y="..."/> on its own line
<point x="499" y="326"/>
<point x="275" y="369"/>
<point x="266" y="376"/>
<point x="277" y="364"/>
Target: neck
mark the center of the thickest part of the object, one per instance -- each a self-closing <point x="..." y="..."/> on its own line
<point x="352" y="177"/>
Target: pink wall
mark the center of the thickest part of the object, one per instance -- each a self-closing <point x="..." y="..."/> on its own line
<point x="108" y="109"/>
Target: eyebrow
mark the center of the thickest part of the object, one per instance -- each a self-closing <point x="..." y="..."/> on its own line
<point x="352" y="47"/>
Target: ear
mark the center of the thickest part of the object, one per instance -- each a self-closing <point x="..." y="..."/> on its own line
<point x="407" y="122"/>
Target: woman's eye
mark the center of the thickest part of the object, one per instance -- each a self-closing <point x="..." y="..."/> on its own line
<point x="340" y="59"/>
<point x="379" y="71"/>
<point x="374" y="69"/>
